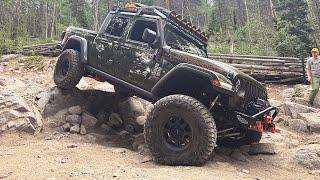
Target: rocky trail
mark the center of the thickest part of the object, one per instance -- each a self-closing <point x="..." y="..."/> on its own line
<point x="88" y="133"/>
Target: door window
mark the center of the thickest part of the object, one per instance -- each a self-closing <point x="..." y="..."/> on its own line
<point x="139" y="27"/>
<point x="117" y="26"/>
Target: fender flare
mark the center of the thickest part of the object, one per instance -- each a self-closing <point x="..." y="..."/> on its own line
<point x="83" y="46"/>
<point x="190" y="69"/>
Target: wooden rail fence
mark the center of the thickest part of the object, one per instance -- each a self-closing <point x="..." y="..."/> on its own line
<point x="268" y="69"/>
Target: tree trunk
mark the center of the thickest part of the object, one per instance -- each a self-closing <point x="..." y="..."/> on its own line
<point x="247" y="12"/>
<point x="46" y="18"/>
<point x="53" y="20"/>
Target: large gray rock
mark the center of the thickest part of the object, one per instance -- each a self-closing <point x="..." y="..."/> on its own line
<point x="75" y="110"/>
<point x="83" y="130"/>
<point x="115" y="120"/>
<point x="93" y="101"/>
<point x="75" y="129"/>
<point x="262" y="148"/>
<point x="17" y="115"/>
<point x="312" y="120"/>
<point x="9" y="57"/>
<point x="299" y="125"/>
<point x="316" y="102"/>
<point x="66" y="127"/>
<point x="293" y="109"/>
<point x="55" y="100"/>
<point x="309" y="156"/>
<point x="89" y="121"/>
<point x="133" y="110"/>
<point x="73" y="119"/>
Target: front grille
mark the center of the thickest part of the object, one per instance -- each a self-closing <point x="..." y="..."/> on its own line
<point x="253" y="92"/>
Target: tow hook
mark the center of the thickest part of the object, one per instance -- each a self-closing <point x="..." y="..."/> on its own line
<point x="267" y="125"/>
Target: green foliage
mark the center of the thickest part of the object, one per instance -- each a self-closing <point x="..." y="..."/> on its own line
<point x="293" y="20"/>
<point x="32" y="59"/>
<point x="285" y="44"/>
<point x="297" y="91"/>
<point x="253" y="38"/>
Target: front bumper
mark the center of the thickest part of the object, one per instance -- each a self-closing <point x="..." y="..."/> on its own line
<point x="262" y="121"/>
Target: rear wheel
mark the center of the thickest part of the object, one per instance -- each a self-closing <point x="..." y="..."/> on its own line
<point x="180" y="131"/>
<point x="69" y="69"/>
<point x="250" y="137"/>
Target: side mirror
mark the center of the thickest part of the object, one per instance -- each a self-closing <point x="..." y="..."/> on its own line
<point x="151" y="38"/>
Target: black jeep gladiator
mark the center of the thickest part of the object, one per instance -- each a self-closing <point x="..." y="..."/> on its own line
<point x="155" y="54"/>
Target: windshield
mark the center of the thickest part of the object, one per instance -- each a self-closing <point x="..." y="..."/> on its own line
<point x="177" y="40"/>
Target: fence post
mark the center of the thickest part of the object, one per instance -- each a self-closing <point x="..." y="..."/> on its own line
<point x="303" y="70"/>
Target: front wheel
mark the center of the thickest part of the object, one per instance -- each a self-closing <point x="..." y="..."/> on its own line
<point x="69" y="69"/>
<point x="180" y="130"/>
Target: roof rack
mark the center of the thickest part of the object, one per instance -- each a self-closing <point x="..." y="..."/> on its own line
<point x="139" y="9"/>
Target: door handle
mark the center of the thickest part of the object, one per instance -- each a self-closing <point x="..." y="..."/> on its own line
<point x="125" y="48"/>
<point x="109" y="62"/>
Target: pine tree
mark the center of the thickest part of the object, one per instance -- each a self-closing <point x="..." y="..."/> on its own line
<point x="293" y="20"/>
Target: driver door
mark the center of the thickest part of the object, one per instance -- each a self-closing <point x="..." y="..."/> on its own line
<point x="140" y="64"/>
<point x="107" y="45"/>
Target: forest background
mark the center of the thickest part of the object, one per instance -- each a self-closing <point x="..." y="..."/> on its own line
<point x="258" y="27"/>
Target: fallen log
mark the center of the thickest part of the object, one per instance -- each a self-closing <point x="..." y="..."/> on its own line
<point x="254" y="56"/>
<point x="240" y="59"/>
<point x="266" y="68"/>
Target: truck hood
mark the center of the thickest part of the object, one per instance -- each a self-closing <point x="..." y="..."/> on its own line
<point x="226" y="70"/>
<point x="80" y="31"/>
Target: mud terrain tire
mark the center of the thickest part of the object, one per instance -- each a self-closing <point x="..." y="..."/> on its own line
<point x="69" y="69"/>
<point x="250" y="138"/>
<point x="162" y="126"/>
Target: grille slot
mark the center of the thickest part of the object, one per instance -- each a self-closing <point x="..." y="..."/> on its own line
<point x="253" y="92"/>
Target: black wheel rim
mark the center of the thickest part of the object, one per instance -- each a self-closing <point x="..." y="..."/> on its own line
<point x="64" y="67"/>
<point x="177" y="133"/>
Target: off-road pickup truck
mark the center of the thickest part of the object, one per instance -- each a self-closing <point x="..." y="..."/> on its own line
<point x="155" y="54"/>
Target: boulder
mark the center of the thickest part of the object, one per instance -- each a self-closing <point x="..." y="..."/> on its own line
<point x="137" y="141"/>
<point x="262" y="148"/>
<point x="133" y="112"/>
<point x="106" y="128"/>
<point x="125" y="135"/>
<point x="88" y="120"/>
<point x="115" y="120"/>
<point x="316" y="102"/>
<point x="66" y="127"/>
<point x="299" y="125"/>
<point x="73" y="119"/>
<point x="238" y="156"/>
<point x="83" y="130"/>
<point x="75" y="110"/>
<point x="75" y="129"/>
<point x="9" y="57"/>
<point x="21" y="124"/>
<point x="300" y="100"/>
<point x="275" y="103"/>
<point x="55" y="100"/>
<point x="312" y="120"/>
<point x="309" y="156"/>
<point x="141" y="120"/>
<point x="293" y="109"/>
<point x="131" y="107"/>
<point x="17" y="115"/>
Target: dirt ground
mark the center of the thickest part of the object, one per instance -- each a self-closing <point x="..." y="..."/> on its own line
<point x="52" y="154"/>
<point x="29" y="157"/>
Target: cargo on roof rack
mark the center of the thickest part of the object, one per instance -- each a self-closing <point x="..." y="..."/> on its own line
<point x="141" y="9"/>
